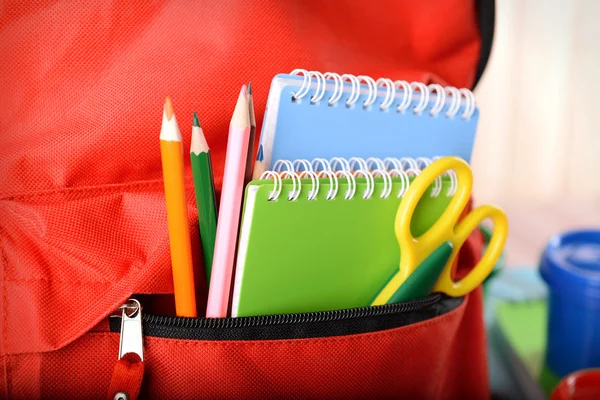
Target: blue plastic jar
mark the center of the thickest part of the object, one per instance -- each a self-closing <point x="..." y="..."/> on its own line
<point x="570" y="265"/>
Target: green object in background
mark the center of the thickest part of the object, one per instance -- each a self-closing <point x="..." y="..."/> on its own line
<point x="303" y="256"/>
<point x="548" y="380"/>
<point x="420" y="283"/>
<point x="524" y="326"/>
<point x="516" y="319"/>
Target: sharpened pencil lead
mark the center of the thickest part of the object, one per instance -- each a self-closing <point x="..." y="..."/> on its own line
<point x="168" y="108"/>
<point x="196" y="120"/>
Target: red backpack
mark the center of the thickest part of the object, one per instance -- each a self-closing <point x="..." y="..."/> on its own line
<point x="82" y="211"/>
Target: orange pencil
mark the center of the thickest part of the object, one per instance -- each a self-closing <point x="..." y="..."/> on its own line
<point x="171" y="151"/>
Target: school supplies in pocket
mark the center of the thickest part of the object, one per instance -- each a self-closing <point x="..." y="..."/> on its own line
<point x="83" y="222"/>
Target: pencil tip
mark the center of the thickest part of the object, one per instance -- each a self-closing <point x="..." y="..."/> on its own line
<point x="259" y="155"/>
<point x="241" y="113"/>
<point x="249" y="91"/>
<point x="168" y="108"/>
<point x="196" y="120"/>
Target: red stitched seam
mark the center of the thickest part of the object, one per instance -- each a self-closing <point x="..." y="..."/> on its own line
<point x="5" y="310"/>
<point x="8" y="390"/>
<point x="110" y="187"/>
<point x="62" y="282"/>
<point x="84" y="189"/>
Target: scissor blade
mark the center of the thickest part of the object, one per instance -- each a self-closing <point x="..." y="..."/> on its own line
<point x="420" y="283"/>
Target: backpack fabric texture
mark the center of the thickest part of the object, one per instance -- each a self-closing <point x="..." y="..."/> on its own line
<point x="82" y="211"/>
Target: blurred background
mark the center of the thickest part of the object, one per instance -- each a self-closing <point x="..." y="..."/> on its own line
<point x="537" y="152"/>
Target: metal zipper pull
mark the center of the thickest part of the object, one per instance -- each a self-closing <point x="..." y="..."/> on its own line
<point x="131" y="329"/>
<point x="128" y="373"/>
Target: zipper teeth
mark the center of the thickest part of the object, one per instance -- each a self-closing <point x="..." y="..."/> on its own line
<point x="279" y="319"/>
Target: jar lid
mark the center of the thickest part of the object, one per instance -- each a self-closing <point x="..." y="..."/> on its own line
<point x="571" y="263"/>
<point x="583" y="384"/>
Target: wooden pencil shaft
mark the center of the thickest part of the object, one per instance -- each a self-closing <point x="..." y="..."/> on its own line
<point x="241" y="115"/>
<point x="249" y="159"/>
<point x="179" y="236"/>
<point x="259" y="164"/>
<point x="229" y="210"/>
<point x="227" y="229"/>
<point x="207" y="210"/>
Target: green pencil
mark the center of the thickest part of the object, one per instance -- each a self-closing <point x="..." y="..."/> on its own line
<point x="205" y="194"/>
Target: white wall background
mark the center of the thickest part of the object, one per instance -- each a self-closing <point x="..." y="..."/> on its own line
<point x="539" y="132"/>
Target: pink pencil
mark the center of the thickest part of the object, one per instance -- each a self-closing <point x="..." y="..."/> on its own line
<point x="229" y="210"/>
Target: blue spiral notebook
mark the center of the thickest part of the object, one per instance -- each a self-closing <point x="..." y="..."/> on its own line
<point x="312" y="115"/>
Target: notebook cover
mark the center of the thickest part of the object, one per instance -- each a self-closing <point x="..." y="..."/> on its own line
<point x="302" y="130"/>
<point x="303" y="256"/>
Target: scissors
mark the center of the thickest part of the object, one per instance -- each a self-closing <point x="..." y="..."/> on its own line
<point x="426" y="262"/>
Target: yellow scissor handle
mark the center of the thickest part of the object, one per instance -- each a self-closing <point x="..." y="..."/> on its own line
<point x="484" y="267"/>
<point x="414" y="250"/>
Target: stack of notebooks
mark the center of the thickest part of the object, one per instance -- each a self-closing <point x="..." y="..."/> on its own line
<point x="336" y="154"/>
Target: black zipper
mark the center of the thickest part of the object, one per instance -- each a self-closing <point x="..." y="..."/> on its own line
<point x="296" y="326"/>
<point x="301" y="318"/>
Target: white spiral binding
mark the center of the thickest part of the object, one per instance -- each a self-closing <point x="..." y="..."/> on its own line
<point x="423" y="97"/>
<point x="415" y="94"/>
<point x="355" y="94"/>
<point x="333" y="183"/>
<point x="391" y="170"/>
<point x="338" y="90"/>
<point x="314" y="179"/>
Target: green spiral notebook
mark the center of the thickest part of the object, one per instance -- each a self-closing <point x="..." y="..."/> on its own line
<point x="322" y="254"/>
